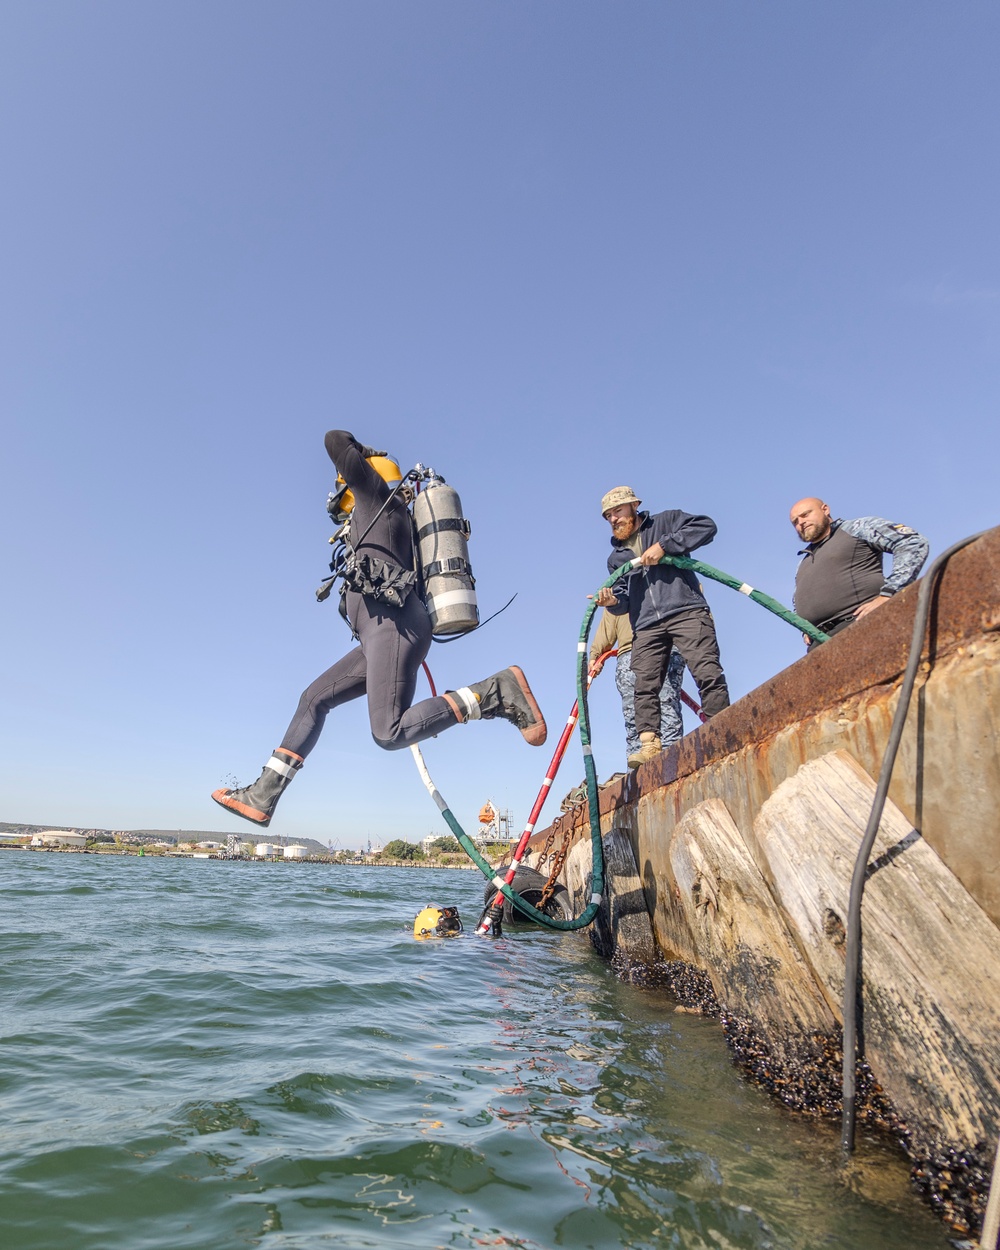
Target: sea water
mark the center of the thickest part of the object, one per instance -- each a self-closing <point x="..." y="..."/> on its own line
<point x="202" y="1054"/>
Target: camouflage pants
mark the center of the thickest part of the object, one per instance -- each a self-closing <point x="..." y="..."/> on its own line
<point x="671" y="725"/>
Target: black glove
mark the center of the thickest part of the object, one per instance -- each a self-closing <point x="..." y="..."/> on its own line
<point x="368" y="452"/>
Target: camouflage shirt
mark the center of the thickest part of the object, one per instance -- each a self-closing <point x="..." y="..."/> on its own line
<point x="844" y="570"/>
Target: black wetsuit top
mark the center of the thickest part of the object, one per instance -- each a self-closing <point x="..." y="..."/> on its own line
<point x="391" y="537"/>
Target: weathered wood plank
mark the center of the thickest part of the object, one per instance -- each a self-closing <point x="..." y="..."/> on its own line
<point x="757" y="971"/>
<point x="931" y="955"/>
<point x="656" y="817"/>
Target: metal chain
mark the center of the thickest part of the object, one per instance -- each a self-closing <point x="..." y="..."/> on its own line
<point x="543" y="855"/>
<point x="557" y="867"/>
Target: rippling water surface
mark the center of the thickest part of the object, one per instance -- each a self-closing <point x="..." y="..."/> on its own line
<point x="207" y="1054"/>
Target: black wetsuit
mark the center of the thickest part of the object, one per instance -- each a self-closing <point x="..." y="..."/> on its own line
<point x="392" y="641"/>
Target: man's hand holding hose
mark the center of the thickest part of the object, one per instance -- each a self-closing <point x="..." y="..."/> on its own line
<point x="652" y="555"/>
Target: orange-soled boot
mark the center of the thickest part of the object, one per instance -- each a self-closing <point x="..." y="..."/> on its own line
<point x="507" y="694"/>
<point x="257" y="802"/>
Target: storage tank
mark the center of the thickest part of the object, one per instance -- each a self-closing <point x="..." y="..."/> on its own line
<point x="296" y="852"/>
<point x="263" y="850"/>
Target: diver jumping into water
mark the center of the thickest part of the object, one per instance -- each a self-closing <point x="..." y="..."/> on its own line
<point x="393" y="629"/>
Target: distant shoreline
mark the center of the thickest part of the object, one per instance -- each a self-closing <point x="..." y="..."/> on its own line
<point x="238" y="859"/>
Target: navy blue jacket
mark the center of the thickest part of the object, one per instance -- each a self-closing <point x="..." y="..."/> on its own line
<point x="651" y="595"/>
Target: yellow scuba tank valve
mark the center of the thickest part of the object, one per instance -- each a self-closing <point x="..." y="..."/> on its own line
<point x="437" y="922"/>
<point x="443" y="543"/>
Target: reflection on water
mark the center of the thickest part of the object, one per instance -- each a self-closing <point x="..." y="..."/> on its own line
<point x="226" y="1055"/>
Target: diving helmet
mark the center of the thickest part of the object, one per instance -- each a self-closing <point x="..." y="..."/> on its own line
<point x="437" y="922"/>
<point x="340" y="504"/>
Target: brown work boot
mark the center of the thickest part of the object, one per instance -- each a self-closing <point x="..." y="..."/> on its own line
<point x="649" y="749"/>
<point x="507" y="694"/>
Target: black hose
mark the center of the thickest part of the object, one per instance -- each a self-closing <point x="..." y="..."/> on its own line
<point x="852" y="970"/>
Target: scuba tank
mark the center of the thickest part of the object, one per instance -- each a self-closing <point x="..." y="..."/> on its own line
<point x="443" y="545"/>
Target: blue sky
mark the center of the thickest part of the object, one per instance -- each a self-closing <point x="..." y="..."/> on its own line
<point x="729" y="254"/>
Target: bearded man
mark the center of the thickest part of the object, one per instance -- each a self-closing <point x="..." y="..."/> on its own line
<point x="665" y="605"/>
<point x="840" y="578"/>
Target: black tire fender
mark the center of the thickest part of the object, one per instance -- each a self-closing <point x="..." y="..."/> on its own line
<point x="529" y="884"/>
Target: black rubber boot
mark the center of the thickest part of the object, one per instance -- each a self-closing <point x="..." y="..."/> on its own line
<point x="507" y="694"/>
<point x="257" y="802"/>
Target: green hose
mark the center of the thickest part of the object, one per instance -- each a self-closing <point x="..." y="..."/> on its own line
<point x="593" y="803"/>
<point x="470" y="848"/>
<point x="758" y="596"/>
<point x="597" y="846"/>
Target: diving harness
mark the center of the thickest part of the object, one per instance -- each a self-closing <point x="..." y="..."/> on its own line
<point x="443" y="574"/>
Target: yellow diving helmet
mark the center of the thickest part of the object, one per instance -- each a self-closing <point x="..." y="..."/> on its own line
<point x="435" y="922"/>
<point x="341" y="502"/>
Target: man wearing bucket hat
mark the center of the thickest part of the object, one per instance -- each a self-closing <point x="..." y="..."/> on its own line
<point x="665" y="605"/>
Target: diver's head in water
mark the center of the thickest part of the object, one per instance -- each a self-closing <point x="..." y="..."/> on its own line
<point x="437" y="922"/>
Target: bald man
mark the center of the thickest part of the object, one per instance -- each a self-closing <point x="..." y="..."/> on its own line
<point x="840" y="577"/>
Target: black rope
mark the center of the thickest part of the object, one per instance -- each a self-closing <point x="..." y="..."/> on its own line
<point x="455" y="637"/>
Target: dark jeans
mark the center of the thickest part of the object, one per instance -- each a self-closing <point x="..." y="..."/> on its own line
<point x="692" y="632"/>
<point x="385" y="667"/>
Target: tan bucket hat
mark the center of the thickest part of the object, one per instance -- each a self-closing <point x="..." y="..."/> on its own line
<point x="618" y="495"/>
